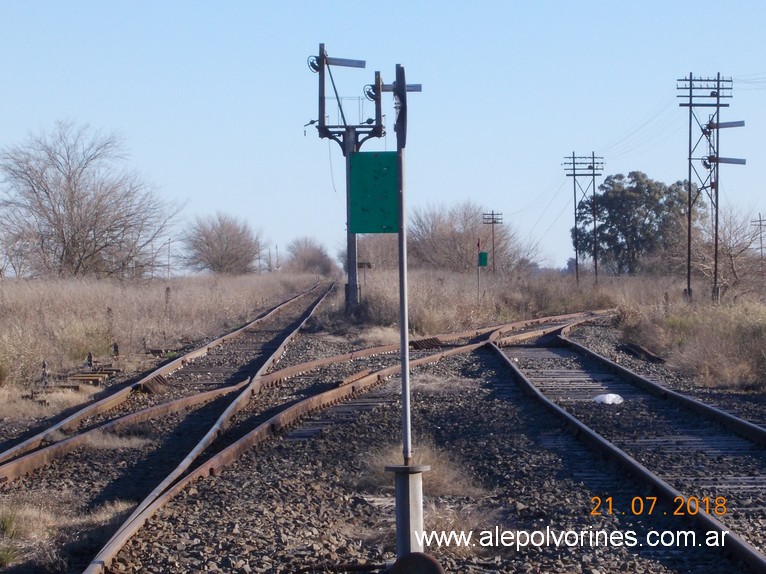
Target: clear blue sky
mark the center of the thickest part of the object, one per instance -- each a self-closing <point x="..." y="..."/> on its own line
<point x="212" y="97"/>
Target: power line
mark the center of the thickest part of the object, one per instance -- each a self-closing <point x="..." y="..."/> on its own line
<point x="661" y="112"/>
<point x="555" y="220"/>
<point x="760" y="223"/>
<point x="538" y="201"/>
<point x="753" y="82"/>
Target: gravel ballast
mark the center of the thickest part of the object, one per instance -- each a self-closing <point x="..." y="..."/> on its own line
<point x="499" y="461"/>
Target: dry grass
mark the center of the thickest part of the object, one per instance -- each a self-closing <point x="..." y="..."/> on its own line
<point x="28" y="528"/>
<point x="452" y="499"/>
<point x="721" y="345"/>
<point x="446" y="477"/>
<point x="101" y="440"/>
<point x="15" y="408"/>
<point x="60" y="321"/>
<point x="427" y="383"/>
<point x="361" y="337"/>
<point x="443" y="516"/>
<point x="445" y="302"/>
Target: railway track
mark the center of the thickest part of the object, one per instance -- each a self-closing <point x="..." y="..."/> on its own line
<point x="347" y="392"/>
<point x="301" y="503"/>
<point x="114" y="453"/>
<point x="704" y="465"/>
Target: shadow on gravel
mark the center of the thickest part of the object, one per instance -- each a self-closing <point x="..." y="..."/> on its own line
<point x="137" y="482"/>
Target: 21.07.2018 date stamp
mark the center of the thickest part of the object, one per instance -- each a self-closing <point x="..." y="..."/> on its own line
<point x="647" y="505"/>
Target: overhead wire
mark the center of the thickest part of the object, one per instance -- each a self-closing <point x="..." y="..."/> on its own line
<point x="555" y="220"/>
<point x="659" y="125"/>
<point x="535" y="202"/>
<point x="544" y="211"/>
<point x="753" y="82"/>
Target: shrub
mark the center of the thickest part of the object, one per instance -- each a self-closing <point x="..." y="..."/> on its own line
<point x="7" y="556"/>
<point x="720" y="345"/>
<point x="8" y="524"/>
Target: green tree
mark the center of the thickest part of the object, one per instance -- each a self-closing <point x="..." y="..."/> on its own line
<point x="636" y="218"/>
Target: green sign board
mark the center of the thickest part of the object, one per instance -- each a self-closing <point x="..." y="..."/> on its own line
<point x="374" y="192"/>
<point x="482" y="258"/>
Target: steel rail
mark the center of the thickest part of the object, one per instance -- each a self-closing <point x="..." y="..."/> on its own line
<point x="502" y="330"/>
<point x="572" y="319"/>
<point x="254" y="386"/>
<point x="745" y="429"/>
<point x="26" y="463"/>
<point x="741" y="548"/>
<point x="118" y="397"/>
<point x="268" y="429"/>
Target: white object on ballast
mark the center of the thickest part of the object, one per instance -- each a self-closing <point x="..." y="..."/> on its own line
<point x="609" y="399"/>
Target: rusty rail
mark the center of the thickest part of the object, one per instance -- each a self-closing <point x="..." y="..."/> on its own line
<point x="738" y="545"/>
<point x="282" y="420"/>
<point x="121" y="395"/>
<point x="254" y="386"/>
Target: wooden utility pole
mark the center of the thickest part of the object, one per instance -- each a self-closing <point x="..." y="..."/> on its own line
<point x="584" y="166"/>
<point x="492" y="219"/>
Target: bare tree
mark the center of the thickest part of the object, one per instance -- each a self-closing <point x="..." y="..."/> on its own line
<point x="71" y="209"/>
<point x="738" y="265"/>
<point x="305" y="254"/>
<point x="222" y="244"/>
<point x="448" y="238"/>
<point x="16" y="252"/>
<point x="380" y="250"/>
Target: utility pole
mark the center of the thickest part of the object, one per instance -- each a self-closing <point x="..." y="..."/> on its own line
<point x="760" y="223"/>
<point x="492" y="219"/>
<point x="584" y="166"/>
<point x="705" y="93"/>
<point x="350" y="138"/>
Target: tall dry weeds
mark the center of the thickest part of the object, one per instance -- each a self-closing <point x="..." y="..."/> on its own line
<point x="440" y="302"/>
<point x="61" y="321"/>
<point x="720" y="345"/>
<point x="30" y="524"/>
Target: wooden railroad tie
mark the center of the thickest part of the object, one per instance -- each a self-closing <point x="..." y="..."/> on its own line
<point x="95" y="376"/>
<point x="90" y="378"/>
<point x="425" y="344"/>
<point x="156" y="385"/>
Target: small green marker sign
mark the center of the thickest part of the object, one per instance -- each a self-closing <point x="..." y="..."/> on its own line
<point x="482" y="258"/>
<point x="374" y="192"/>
